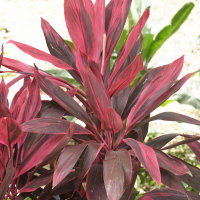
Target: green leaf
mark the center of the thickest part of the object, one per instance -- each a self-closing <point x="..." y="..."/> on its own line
<point x="169" y="30"/>
<point x="70" y="43"/>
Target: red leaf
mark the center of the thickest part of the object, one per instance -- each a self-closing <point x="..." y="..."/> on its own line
<point x="159" y="85"/>
<point x="195" y="147"/>
<point x="52" y="126"/>
<point x="171" y="164"/>
<point x="10" y="131"/>
<point x="132" y="38"/>
<point x="147" y="157"/>
<point x="111" y="121"/>
<point x="127" y="76"/>
<point x="90" y="155"/>
<point x="62" y="98"/>
<point x="4" y="111"/>
<point x="96" y="95"/>
<point x="7" y="179"/>
<point x="117" y="168"/>
<point x="36" y="183"/>
<point x="41" y="55"/>
<point x="3" y="92"/>
<point x="66" y="162"/>
<point x="80" y="26"/>
<point x="95" y="184"/>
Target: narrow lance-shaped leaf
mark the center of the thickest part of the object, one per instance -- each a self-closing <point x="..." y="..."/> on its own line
<point x="127" y="76"/>
<point x="52" y="126"/>
<point x="7" y="179"/>
<point x="4" y="111"/>
<point x="96" y="95"/>
<point x="90" y="154"/>
<point x="41" y="55"/>
<point x="3" y="92"/>
<point x="66" y="162"/>
<point x="195" y="147"/>
<point x="62" y="98"/>
<point x="147" y="157"/>
<point x="95" y="184"/>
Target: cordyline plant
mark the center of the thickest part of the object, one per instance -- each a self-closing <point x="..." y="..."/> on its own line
<point x="45" y="156"/>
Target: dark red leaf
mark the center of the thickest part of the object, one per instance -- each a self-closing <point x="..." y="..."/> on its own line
<point x="162" y="140"/>
<point x="195" y="147"/>
<point x="56" y="150"/>
<point x="127" y="76"/>
<point x="171" y="164"/>
<point x="171" y="116"/>
<point x="1" y="56"/>
<point x="172" y="181"/>
<point x="80" y="27"/>
<point x="117" y="168"/>
<point x="95" y="184"/>
<point x="3" y="92"/>
<point x="36" y="183"/>
<point x="52" y="126"/>
<point x="66" y="162"/>
<point x="90" y="154"/>
<point x="147" y="157"/>
<point x="166" y="193"/>
<point x="111" y="121"/>
<point x="62" y="98"/>
<point x="96" y="95"/>
<point x="39" y="152"/>
<point x="4" y="111"/>
<point x="132" y="38"/>
<point x="10" y="131"/>
<point x="7" y="179"/>
<point x="41" y="55"/>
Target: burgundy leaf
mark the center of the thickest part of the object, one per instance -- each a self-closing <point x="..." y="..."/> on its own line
<point x="90" y="155"/>
<point x="1" y="56"/>
<point x="147" y="157"/>
<point x="99" y="8"/>
<point x="132" y="38"/>
<point x="96" y="95"/>
<point x="162" y="140"/>
<point x="80" y="27"/>
<point x="171" y="164"/>
<point x="172" y="181"/>
<point x="36" y="183"/>
<point x="195" y="147"/>
<point x="171" y="116"/>
<point x="111" y="121"/>
<point x="127" y="76"/>
<point x="118" y="101"/>
<point x="117" y="173"/>
<point x="41" y="55"/>
<point x="7" y="179"/>
<point x="193" y="180"/>
<point x="66" y="162"/>
<point x="56" y="150"/>
<point x="166" y="193"/>
<point x="3" y="92"/>
<point x="159" y="85"/>
<point x="10" y="131"/>
<point x="39" y="152"/>
<point x="95" y="184"/>
<point x="52" y="126"/>
<point x="4" y="111"/>
<point x="57" y="46"/>
<point x="62" y="98"/>
<point x="186" y="141"/>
